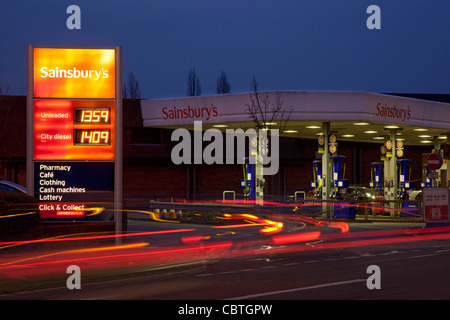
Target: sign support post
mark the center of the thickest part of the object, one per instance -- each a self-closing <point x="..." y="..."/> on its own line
<point x="326" y="173"/>
<point x="118" y="214"/>
<point x="30" y="121"/>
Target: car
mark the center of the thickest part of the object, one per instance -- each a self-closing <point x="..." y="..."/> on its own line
<point x="358" y="193"/>
<point x="415" y="195"/>
<point x="361" y="197"/>
<point x="6" y="185"/>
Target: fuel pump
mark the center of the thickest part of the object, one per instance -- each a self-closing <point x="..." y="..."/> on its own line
<point x="404" y="167"/>
<point x="317" y="183"/>
<point x="376" y="174"/>
<point x="246" y="182"/>
<point x="338" y="175"/>
<point x="341" y="210"/>
<point x="253" y="183"/>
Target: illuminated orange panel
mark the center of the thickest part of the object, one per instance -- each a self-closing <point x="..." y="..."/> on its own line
<point x="55" y="129"/>
<point x="74" y="73"/>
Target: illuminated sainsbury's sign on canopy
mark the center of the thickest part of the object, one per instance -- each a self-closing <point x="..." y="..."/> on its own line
<point x="74" y="73"/>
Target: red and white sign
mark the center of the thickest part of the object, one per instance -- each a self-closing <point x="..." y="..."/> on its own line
<point x="434" y="161"/>
<point x="435" y="205"/>
<point x="189" y="112"/>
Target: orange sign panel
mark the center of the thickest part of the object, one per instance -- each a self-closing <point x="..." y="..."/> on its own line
<point x="74" y="73"/>
<point x="74" y="130"/>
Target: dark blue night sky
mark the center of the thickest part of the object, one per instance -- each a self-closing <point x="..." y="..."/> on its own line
<point x="286" y="45"/>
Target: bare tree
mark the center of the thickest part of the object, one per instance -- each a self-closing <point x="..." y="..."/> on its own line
<point x="264" y="112"/>
<point x="223" y="84"/>
<point x="131" y="88"/>
<point x="193" y="84"/>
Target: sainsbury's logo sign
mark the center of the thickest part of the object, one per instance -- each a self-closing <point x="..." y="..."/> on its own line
<point x="393" y="112"/>
<point x="190" y="112"/>
<point x="73" y="73"/>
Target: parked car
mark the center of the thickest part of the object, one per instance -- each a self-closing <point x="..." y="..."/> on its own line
<point x="6" y="185"/>
<point x="358" y="193"/>
<point x="415" y="195"/>
<point x="360" y="196"/>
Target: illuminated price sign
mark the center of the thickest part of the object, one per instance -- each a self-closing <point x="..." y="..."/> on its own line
<point x="74" y="137"/>
<point x="74" y="130"/>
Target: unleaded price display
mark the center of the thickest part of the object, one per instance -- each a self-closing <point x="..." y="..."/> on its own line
<point x="92" y="115"/>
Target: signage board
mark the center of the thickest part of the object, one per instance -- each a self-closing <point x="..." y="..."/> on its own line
<point x="332" y="144"/>
<point x="74" y="73"/>
<point x="399" y="148"/>
<point x="434" y="161"/>
<point x="436" y="205"/>
<point x="71" y="189"/>
<point x="74" y="132"/>
<point x="433" y="175"/>
<point x="388" y="148"/>
<point x="321" y="144"/>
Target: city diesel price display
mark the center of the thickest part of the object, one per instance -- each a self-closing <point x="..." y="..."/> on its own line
<point x="87" y="137"/>
<point x="74" y="129"/>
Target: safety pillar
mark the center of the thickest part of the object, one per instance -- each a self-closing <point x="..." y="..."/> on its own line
<point x="439" y="182"/>
<point x="391" y="174"/>
<point x="326" y="173"/>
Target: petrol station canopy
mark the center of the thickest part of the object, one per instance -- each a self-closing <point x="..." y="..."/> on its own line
<point x="353" y="116"/>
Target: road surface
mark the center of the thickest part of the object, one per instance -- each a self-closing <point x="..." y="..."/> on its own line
<point x="411" y="266"/>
